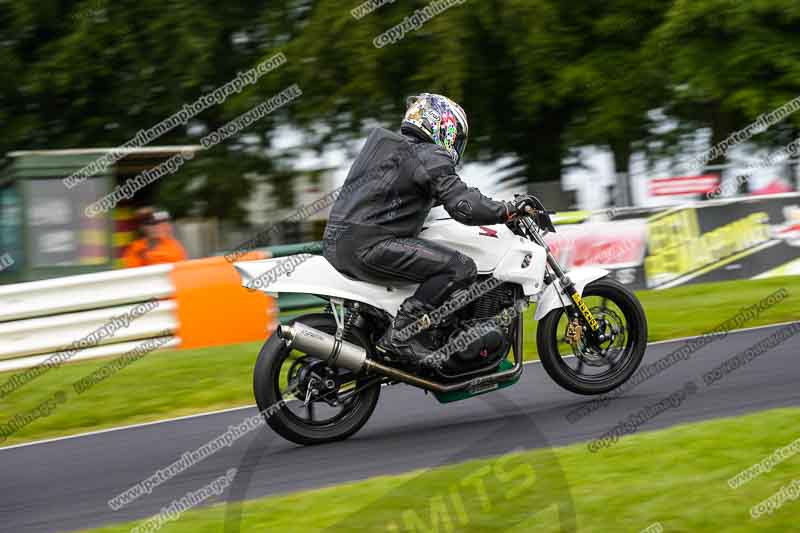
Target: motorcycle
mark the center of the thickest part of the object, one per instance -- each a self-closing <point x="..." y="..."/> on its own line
<point x="318" y="378"/>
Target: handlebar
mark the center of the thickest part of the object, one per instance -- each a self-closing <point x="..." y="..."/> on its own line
<point x="533" y="212"/>
<point x="541" y="218"/>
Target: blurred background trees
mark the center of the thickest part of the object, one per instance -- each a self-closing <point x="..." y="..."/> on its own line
<point x="539" y="78"/>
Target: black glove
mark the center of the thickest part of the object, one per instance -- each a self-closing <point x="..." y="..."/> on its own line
<point x="520" y="205"/>
<point x="523" y="202"/>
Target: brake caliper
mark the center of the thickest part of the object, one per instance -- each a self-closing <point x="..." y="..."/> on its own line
<point x="574" y="333"/>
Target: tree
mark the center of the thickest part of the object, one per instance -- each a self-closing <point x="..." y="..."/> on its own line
<point x="613" y="80"/>
<point x="730" y="62"/>
<point x="95" y="73"/>
<point x="498" y="59"/>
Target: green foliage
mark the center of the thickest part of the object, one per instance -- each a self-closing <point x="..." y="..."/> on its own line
<point x="729" y="62"/>
<point x="539" y="78"/>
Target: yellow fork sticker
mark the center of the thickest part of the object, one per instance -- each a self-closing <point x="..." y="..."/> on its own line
<point x="585" y="311"/>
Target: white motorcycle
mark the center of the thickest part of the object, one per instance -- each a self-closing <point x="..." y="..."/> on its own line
<point x="318" y="378"/>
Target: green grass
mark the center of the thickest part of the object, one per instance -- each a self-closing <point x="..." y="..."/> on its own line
<point x="676" y="477"/>
<point x="696" y="309"/>
<point x="158" y="386"/>
<point x="180" y="382"/>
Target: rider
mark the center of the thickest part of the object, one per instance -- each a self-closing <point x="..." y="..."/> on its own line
<point x="392" y="185"/>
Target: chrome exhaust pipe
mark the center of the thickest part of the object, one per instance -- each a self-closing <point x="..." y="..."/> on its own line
<point x="347" y="355"/>
<point x="337" y="353"/>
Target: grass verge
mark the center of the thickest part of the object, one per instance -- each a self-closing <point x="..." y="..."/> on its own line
<point x="180" y="382"/>
<point x="675" y="477"/>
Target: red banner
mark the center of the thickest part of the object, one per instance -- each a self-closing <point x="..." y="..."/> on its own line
<point x="684" y="185"/>
<point x="618" y="243"/>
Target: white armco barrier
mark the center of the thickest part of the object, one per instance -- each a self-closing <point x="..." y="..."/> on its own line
<point x="90" y="315"/>
<point x="53" y="333"/>
<point x="107" y="350"/>
<point x="86" y="291"/>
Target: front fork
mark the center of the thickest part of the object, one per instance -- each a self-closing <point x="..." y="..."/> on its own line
<point x="568" y="288"/>
<point x="585" y="313"/>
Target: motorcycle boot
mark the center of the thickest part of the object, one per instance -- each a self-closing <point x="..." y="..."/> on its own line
<point x="401" y="343"/>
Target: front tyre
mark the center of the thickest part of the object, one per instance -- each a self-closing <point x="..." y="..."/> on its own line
<point x="589" y="365"/>
<point x="304" y="400"/>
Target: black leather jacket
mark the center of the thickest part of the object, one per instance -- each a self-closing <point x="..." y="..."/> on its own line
<point x="393" y="184"/>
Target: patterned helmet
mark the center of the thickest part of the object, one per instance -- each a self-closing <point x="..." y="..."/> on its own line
<point x="438" y="119"/>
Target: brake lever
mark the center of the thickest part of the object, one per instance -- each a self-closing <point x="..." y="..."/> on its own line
<point x="545" y="224"/>
<point x="532" y="211"/>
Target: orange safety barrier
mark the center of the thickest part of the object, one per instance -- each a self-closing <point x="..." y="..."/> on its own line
<point x="213" y="307"/>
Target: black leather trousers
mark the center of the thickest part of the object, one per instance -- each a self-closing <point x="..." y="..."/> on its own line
<point x="371" y="256"/>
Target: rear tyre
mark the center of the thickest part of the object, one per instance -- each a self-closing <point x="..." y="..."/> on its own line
<point x="587" y="368"/>
<point x="281" y="374"/>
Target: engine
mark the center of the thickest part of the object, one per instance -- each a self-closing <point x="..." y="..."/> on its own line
<point x="480" y="337"/>
<point x="493" y="302"/>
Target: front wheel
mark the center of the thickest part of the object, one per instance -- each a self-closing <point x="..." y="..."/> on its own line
<point x="304" y="400"/>
<point x="588" y="362"/>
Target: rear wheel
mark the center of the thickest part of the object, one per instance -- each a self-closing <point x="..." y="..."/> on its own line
<point x="303" y="399"/>
<point x="591" y="365"/>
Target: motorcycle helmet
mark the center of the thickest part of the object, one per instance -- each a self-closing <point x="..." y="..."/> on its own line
<point x="438" y="119"/>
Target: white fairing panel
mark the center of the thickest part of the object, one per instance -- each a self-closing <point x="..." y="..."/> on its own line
<point x="495" y="250"/>
<point x="524" y="262"/>
<point x="486" y="245"/>
<point x="315" y="275"/>
<point x="550" y="299"/>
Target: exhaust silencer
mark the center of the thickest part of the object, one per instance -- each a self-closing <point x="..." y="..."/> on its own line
<point x="324" y="346"/>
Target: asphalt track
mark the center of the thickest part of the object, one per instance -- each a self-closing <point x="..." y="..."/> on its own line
<point x="65" y="484"/>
